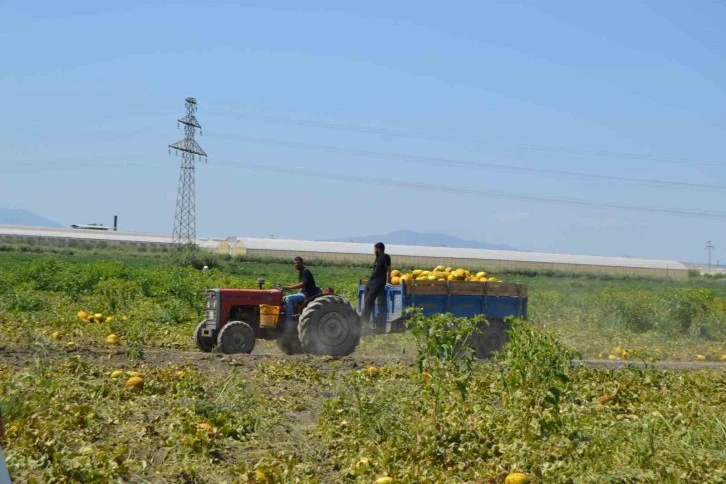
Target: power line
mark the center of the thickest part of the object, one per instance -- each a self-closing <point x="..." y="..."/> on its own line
<point x="402" y="133"/>
<point x="422" y="186"/>
<point x="472" y="164"/>
<point x="470" y="191"/>
<point x="68" y="164"/>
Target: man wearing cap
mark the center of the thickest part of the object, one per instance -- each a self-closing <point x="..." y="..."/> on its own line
<point x="376" y="285"/>
<point x="306" y="285"/>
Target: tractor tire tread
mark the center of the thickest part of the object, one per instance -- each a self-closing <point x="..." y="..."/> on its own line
<point x="228" y="329"/>
<point x="203" y="344"/>
<point x="350" y="327"/>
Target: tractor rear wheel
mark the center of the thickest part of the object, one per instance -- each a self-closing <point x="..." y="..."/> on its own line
<point x="492" y="337"/>
<point x="236" y="337"/>
<point x="329" y="326"/>
<point x="204" y="343"/>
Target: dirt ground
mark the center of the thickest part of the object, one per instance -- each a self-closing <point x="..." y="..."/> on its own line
<point x="20" y="356"/>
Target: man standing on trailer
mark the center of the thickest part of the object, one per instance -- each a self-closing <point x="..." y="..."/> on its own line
<point x="376" y="286"/>
<point x="306" y="285"/>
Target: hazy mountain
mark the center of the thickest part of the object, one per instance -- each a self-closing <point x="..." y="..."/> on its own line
<point x="9" y="216"/>
<point x="409" y="237"/>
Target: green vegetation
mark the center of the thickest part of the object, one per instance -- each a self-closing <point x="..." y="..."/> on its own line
<point x="160" y="294"/>
<point x="532" y="412"/>
<point x="416" y="407"/>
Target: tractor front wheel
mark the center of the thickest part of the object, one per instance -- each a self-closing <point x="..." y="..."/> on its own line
<point x="236" y="337"/>
<point x="204" y="343"/>
<point x="329" y="326"/>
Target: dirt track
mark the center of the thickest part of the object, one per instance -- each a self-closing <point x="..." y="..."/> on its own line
<point x="19" y="356"/>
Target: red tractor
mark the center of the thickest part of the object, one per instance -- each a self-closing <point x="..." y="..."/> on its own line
<point x="325" y="324"/>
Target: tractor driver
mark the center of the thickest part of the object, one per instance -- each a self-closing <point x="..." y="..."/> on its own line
<point x="306" y="285"/>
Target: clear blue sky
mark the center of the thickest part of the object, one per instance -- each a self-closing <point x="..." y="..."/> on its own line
<point x="91" y="92"/>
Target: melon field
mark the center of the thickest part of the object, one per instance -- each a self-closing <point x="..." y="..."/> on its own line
<point x="610" y="380"/>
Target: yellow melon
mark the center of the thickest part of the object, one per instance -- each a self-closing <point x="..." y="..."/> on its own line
<point x="481" y="274"/>
<point x="517" y="478"/>
<point x="395" y="281"/>
<point x="135" y="382"/>
<point x="83" y="315"/>
<point x="416" y="272"/>
<point x="395" y="273"/>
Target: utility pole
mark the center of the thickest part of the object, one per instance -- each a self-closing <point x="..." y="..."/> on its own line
<point x="709" y="247"/>
<point x="185" y="231"/>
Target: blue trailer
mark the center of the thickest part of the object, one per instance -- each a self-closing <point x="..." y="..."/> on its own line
<point x="495" y="300"/>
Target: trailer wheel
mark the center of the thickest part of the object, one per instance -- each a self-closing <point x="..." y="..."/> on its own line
<point x="492" y="337"/>
<point x="329" y="326"/>
<point x="236" y="337"/>
<point x="204" y="343"/>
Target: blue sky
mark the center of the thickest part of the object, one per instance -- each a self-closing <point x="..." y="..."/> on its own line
<point x="92" y="90"/>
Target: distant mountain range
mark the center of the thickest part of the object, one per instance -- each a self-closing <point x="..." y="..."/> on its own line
<point x="409" y="237"/>
<point x="9" y="216"/>
<point x="398" y="237"/>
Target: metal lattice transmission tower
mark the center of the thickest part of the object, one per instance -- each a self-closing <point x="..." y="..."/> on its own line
<point x="185" y="232"/>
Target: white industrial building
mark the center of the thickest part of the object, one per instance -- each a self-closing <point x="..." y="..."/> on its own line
<point x="403" y="255"/>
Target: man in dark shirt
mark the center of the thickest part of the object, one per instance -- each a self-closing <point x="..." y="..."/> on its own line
<point x="376" y="286"/>
<point x="306" y="285"/>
